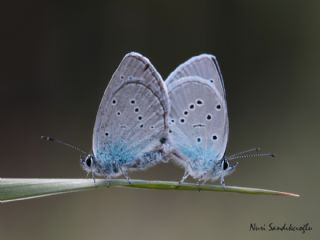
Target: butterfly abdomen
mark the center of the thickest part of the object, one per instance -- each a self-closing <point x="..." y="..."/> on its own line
<point x="148" y="159"/>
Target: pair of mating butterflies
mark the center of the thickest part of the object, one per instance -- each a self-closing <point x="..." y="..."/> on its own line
<point x="143" y="120"/>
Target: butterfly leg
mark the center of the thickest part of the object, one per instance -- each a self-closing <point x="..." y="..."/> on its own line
<point x="93" y="177"/>
<point x="199" y="184"/>
<point x="128" y="179"/>
<point x="201" y="181"/>
<point x="125" y="174"/>
<point x="108" y="178"/>
<point x="222" y="182"/>
<point x="185" y="176"/>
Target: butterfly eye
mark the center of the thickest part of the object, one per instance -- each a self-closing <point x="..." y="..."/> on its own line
<point x="225" y="165"/>
<point x="89" y="161"/>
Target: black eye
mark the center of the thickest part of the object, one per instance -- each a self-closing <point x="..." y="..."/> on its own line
<point x="225" y="165"/>
<point x="88" y="161"/>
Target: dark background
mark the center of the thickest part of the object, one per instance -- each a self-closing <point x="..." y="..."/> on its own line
<point x="57" y="59"/>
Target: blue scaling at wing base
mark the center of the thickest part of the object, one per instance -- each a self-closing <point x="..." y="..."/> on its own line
<point x="116" y="152"/>
<point x="200" y="158"/>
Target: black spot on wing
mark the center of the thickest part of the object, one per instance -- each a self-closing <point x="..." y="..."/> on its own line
<point x="199" y="102"/>
<point x="163" y="140"/>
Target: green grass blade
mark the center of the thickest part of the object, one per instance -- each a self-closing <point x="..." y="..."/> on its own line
<point x="13" y="189"/>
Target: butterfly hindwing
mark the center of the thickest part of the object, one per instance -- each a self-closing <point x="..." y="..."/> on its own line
<point x="131" y="123"/>
<point x="198" y="116"/>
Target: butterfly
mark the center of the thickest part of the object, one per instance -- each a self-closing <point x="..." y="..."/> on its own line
<point x="198" y="120"/>
<point x="131" y="127"/>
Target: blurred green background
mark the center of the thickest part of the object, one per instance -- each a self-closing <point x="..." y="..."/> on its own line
<point x="57" y="59"/>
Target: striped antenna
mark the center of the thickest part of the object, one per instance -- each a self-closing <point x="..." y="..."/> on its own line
<point x="54" y="140"/>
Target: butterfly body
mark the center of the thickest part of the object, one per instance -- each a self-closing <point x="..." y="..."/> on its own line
<point x="198" y="118"/>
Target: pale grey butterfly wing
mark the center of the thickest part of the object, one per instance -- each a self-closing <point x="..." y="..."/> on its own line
<point x="205" y="66"/>
<point x="131" y="124"/>
<point x="198" y="116"/>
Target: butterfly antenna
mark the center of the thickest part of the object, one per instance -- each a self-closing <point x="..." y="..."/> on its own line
<point x="51" y="139"/>
<point x="230" y="158"/>
<point x="257" y="149"/>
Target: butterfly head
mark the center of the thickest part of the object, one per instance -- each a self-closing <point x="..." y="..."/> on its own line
<point x="227" y="167"/>
<point x="88" y="163"/>
<point x="223" y="168"/>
